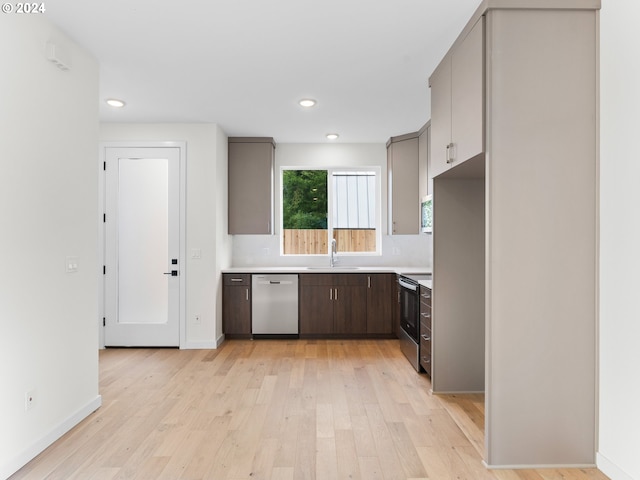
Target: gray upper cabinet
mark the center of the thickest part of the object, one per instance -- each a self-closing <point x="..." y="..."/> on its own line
<point x="440" y="83"/>
<point x="403" y="190"/>
<point x="425" y="182"/>
<point x="251" y="179"/>
<point x="457" y="103"/>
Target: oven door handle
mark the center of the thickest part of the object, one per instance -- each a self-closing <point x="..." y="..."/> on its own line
<point x="408" y="286"/>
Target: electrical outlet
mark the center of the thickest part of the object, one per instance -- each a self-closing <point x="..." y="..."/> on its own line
<point x="196" y="319"/>
<point x="395" y="251"/>
<point x="29" y="400"/>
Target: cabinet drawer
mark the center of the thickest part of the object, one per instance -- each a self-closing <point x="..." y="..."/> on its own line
<point x="425" y="348"/>
<point x="425" y="341"/>
<point x="333" y="279"/>
<point x="424" y="327"/>
<point x="425" y="317"/>
<point x="425" y="362"/>
<point x="352" y="279"/>
<point x="305" y="279"/>
<point x="425" y="296"/>
<point x="236" y="279"/>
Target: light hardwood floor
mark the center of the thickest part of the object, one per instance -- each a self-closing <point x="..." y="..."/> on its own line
<point x="277" y="410"/>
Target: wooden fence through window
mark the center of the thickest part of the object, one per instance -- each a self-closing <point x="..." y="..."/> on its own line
<point x="314" y="242"/>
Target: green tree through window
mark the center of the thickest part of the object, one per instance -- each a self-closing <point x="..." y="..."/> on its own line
<point x="304" y="195"/>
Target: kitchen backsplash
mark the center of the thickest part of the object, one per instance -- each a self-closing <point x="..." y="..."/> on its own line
<point x="397" y="250"/>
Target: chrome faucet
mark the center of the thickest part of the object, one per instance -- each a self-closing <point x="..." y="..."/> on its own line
<point x="332" y="260"/>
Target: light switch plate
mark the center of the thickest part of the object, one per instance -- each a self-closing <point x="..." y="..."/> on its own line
<point x="196" y="253"/>
<point x="71" y="264"/>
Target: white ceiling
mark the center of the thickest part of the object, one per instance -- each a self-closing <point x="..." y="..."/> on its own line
<point x="244" y="64"/>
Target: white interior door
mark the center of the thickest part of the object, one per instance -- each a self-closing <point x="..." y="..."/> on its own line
<point x="142" y="246"/>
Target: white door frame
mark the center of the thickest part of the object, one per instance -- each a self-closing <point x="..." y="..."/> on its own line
<point x="182" y="146"/>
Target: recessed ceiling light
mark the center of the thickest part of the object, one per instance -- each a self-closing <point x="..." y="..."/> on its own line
<point x="332" y="136"/>
<point x="114" y="102"/>
<point x="307" y="102"/>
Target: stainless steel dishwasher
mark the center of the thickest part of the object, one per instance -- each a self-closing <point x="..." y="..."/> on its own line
<point x="274" y="305"/>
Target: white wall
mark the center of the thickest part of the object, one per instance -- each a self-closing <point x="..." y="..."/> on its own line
<point x="48" y="211"/>
<point x="397" y="250"/>
<point x="206" y="217"/>
<point x="619" y="433"/>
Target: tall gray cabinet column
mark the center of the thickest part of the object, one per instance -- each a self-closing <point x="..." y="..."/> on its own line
<point x="534" y="278"/>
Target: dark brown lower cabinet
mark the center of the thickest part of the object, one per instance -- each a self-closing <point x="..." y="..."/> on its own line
<point x="397" y="315"/>
<point x="236" y="305"/>
<point x="425" y="329"/>
<point x="346" y="304"/>
<point x="330" y="305"/>
<point x="380" y="303"/>
<point x="316" y="309"/>
<point x="333" y="304"/>
<point x="350" y="310"/>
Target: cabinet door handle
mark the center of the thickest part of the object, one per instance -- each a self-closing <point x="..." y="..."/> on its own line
<point x="450" y="153"/>
<point x="425" y="338"/>
<point x="426" y="315"/>
<point x="331" y="294"/>
<point x="336" y="294"/>
<point x="247" y="294"/>
<point x="368" y="282"/>
<point x="237" y="279"/>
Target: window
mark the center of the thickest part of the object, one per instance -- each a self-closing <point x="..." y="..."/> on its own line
<point x="318" y="205"/>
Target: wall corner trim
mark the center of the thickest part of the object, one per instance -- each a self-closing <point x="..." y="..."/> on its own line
<point x="610" y="469"/>
<point x="200" y="345"/>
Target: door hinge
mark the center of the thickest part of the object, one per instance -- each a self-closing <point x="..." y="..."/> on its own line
<point x="104" y="218"/>
<point x="104" y="165"/>
<point x="104" y="322"/>
<point x="104" y="269"/>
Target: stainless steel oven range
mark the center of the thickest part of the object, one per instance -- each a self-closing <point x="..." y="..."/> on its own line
<point x="410" y="316"/>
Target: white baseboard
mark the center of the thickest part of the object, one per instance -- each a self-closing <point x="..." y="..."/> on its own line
<point x="610" y="469"/>
<point x="202" y="345"/>
<point x="537" y="466"/>
<point x="17" y="462"/>
<point x="457" y="392"/>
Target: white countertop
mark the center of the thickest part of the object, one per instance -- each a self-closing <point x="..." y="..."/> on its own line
<point x="336" y="269"/>
<point x="426" y="283"/>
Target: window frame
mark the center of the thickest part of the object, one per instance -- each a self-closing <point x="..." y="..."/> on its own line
<point x="330" y="204"/>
